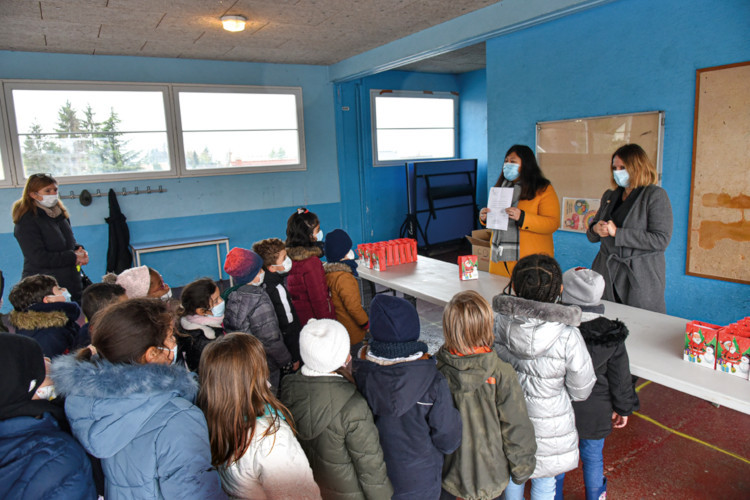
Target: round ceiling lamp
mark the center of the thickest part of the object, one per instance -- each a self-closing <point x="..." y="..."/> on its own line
<point x="233" y="23"/>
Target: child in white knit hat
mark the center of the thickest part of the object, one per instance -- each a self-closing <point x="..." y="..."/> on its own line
<point x="329" y="412"/>
<point x="613" y="397"/>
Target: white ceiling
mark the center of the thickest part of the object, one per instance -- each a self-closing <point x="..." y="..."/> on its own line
<point x="320" y="32"/>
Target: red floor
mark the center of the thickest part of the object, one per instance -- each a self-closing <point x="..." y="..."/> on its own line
<point x="644" y="460"/>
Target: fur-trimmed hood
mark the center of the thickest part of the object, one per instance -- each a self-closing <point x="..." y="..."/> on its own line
<point x="107" y="404"/>
<point x="52" y="315"/>
<point x="529" y="328"/>
<point x="604" y="332"/>
<point x="333" y="267"/>
<point x="302" y="253"/>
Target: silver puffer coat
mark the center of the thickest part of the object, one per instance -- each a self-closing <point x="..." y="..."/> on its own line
<point x="542" y="342"/>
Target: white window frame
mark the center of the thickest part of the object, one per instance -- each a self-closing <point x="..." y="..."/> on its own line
<point x="10" y="145"/>
<point x="5" y="153"/>
<point x="10" y="86"/>
<point x="412" y="94"/>
<point x="239" y="89"/>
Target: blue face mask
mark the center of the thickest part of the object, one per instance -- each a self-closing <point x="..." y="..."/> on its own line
<point x="218" y="309"/>
<point x="510" y="171"/>
<point x="622" y="178"/>
<point x="67" y="295"/>
<point x="319" y="235"/>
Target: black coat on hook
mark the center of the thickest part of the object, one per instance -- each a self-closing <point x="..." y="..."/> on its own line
<point x="118" y="253"/>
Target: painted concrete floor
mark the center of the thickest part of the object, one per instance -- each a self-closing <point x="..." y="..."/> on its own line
<point x="676" y="447"/>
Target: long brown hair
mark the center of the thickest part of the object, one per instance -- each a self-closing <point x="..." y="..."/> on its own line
<point x="467" y="323"/>
<point x="34" y="183"/>
<point x="124" y="331"/>
<point x="234" y="393"/>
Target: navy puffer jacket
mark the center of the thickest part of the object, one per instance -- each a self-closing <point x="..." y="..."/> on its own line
<point x="38" y="460"/>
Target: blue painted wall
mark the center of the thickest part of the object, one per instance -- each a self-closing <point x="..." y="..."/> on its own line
<point x="244" y="207"/>
<point x="473" y="109"/>
<point x="378" y="194"/>
<point x="623" y="57"/>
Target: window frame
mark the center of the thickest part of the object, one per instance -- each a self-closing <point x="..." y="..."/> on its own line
<point x="421" y="94"/>
<point x="10" y="144"/>
<point x="10" y="85"/>
<point x="238" y="89"/>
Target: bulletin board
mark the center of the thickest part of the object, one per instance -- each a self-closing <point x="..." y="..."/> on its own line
<point x="719" y="236"/>
<point x="576" y="155"/>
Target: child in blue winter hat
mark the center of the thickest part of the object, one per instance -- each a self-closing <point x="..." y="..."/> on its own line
<point x="409" y="398"/>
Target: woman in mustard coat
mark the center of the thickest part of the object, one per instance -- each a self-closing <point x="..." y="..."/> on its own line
<point x="534" y="214"/>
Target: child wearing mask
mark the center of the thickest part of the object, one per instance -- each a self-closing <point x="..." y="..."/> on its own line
<point x="141" y="281"/>
<point x="540" y="339"/>
<point x="277" y="264"/>
<point x="341" y="277"/>
<point x="409" y="398"/>
<point x="43" y="311"/>
<point x="249" y="309"/>
<point x="334" y="424"/>
<point x="252" y="433"/>
<point x="613" y="398"/>
<point x="201" y="314"/>
<point x="497" y="447"/>
<point x="306" y="280"/>
<point x="130" y="406"/>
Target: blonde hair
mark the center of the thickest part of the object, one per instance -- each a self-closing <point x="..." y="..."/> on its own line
<point x="26" y="203"/>
<point x="234" y="393"/>
<point x="640" y="169"/>
<point x="468" y="323"/>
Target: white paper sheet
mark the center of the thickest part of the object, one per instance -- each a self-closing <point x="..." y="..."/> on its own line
<point x="500" y="199"/>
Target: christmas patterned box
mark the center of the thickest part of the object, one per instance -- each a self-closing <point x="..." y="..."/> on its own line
<point x="700" y="343"/>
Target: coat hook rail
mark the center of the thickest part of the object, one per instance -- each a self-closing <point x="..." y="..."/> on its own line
<point x="124" y="192"/>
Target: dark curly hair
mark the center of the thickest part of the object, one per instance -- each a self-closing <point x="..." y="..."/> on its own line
<point x="537" y="277"/>
<point x="269" y="250"/>
<point x="531" y="178"/>
<point x="31" y="290"/>
<point x="299" y="228"/>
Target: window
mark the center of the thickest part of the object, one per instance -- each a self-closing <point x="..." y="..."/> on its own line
<point x="87" y="132"/>
<point x="412" y="125"/>
<point x="227" y="130"/>
<point x="77" y="131"/>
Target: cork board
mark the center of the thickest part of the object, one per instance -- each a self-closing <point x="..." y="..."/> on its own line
<point x="576" y="155"/>
<point x="719" y="236"/>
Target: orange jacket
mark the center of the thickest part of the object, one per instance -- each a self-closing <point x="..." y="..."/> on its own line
<point x="541" y="219"/>
<point x="347" y="300"/>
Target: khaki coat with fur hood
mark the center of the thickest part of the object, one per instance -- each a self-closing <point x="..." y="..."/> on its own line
<point x="542" y="343"/>
<point x="347" y="300"/>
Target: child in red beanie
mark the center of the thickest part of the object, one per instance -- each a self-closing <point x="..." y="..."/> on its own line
<point x="249" y="309"/>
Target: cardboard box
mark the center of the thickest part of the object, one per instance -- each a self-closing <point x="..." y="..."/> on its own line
<point x="700" y="343"/>
<point x="468" y="267"/>
<point x="480" y="246"/>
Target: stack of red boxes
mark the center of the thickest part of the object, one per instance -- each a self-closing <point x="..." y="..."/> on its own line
<point x="384" y="254"/>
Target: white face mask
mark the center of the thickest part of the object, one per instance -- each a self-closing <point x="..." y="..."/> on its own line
<point x="287" y="264"/>
<point x="319" y="235"/>
<point x="350" y="256"/>
<point x="260" y="280"/>
<point x="167" y="295"/>
<point x="49" y="200"/>
<point x="47" y="392"/>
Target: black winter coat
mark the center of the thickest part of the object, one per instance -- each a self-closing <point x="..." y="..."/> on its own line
<point x="289" y="330"/>
<point x="53" y="325"/>
<point x="118" y="252"/>
<point x="613" y="391"/>
<point x="416" y="419"/>
<point x="195" y="338"/>
<point x="48" y="247"/>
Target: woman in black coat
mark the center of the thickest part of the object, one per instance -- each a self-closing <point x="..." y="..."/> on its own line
<point x="44" y="233"/>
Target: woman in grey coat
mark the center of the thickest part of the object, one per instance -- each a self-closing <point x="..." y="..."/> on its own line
<point x="634" y="226"/>
<point x="540" y="339"/>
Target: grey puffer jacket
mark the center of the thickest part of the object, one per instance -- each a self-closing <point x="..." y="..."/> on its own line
<point x="249" y="309"/>
<point x="542" y="342"/>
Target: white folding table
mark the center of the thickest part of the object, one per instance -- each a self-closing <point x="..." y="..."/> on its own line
<point x="655" y="343"/>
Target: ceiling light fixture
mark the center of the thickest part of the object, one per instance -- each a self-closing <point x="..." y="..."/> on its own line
<point x="233" y="23"/>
